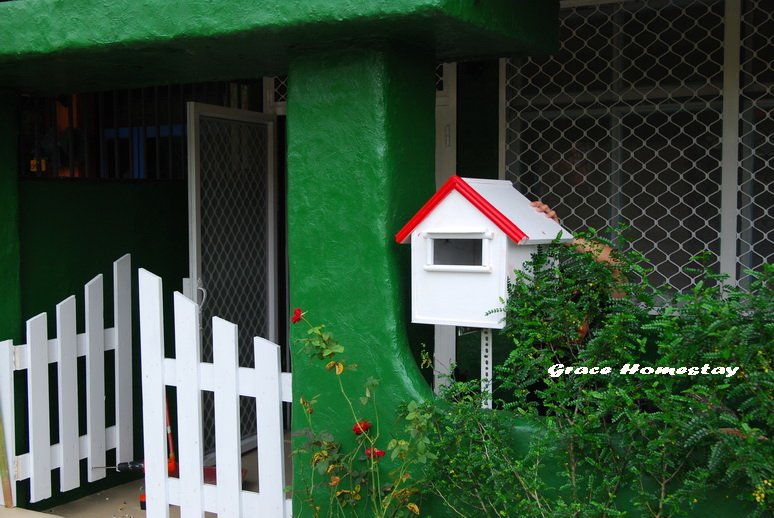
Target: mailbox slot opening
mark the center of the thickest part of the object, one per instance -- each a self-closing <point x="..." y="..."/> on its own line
<point x="461" y="252"/>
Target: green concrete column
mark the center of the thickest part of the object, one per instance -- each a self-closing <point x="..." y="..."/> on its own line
<point x="10" y="289"/>
<point x="360" y="163"/>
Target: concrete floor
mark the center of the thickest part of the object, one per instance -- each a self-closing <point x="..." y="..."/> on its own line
<point x="123" y="501"/>
<point x="17" y="512"/>
<point x="118" y="502"/>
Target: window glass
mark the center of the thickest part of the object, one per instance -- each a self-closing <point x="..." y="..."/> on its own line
<point x="458" y="252"/>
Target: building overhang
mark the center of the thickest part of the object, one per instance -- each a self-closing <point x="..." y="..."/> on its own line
<point x="49" y="46"/>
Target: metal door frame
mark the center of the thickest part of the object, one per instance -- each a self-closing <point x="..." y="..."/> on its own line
<point x="194" y="111"/>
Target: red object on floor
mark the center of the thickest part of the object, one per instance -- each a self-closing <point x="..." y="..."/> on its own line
<point x="210" y="476"/>
<point x="172" y="468"/>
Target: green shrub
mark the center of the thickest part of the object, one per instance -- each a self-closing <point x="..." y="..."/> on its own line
<point x="614" y="444"/>
<point x="348" y="474"/>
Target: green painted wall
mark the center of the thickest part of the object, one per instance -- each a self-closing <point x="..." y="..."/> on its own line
<point x="94" y="44"/>
<point x="73" y="230"/>
<point x="360" y="162"/>
<point x="10" y="295"/>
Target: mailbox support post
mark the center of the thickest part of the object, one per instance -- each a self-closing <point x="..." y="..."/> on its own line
<point x="444" y="356"/>
<point x="486" y="368"/>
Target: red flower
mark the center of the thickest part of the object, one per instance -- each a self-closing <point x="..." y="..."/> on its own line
<point x="297" y="316"/>
<point x="374" y="453"/>
<point x="361" y="427"/>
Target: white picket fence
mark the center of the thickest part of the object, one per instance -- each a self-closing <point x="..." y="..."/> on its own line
<point x="266" y="383"/>
<point x="64" y="350"/>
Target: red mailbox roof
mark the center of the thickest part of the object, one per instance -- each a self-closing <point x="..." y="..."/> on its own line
<point x="455" y="183"/>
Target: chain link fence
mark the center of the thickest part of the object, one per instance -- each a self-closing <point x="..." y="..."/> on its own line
<point x="755" y="222"/>
<point x="625" y="124"/>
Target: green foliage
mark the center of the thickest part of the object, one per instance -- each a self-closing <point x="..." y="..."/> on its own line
<point x="608" y="443"/>
<point x="475" y="470"/>
<point x="349" y="477"/>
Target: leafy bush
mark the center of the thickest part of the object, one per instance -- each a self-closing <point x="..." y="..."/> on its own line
<point x="356" y="478"/>
<point x="606" y="444"/>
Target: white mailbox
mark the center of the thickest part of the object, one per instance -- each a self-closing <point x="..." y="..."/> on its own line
<point x="466" y="241"/>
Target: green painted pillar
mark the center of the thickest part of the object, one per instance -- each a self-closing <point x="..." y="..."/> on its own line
<point x="360" y="163"/>
<point x="10" y="289"/>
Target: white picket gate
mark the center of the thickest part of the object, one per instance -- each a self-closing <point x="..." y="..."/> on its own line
<point x="266" y="383"/>
<point x="64" y="350"/>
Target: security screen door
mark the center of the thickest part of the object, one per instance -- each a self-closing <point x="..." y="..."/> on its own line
<point x="231" y="234"/>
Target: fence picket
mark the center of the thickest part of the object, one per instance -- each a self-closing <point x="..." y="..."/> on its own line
<point x="228" y="381"/>
<point x="67" y="369"/>
<point x="189" y="399"/>
<point x="36" y="356"/>
<point x="6" y="411"/>
<point x="268" y="402"/>
<point x="37" y="388"/>
<point x="95" y="381"/>
<point x="227" y="433"/>
<point x="153" y="393"/>
<point x="122" y="322"/>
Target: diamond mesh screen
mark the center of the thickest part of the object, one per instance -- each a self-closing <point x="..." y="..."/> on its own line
<point x="624" y="123"/>
<point x="439" y="77"/>
<point x="755" y="223"/>
<point x="280" y="89"/>
<point x="234" y="241"/>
